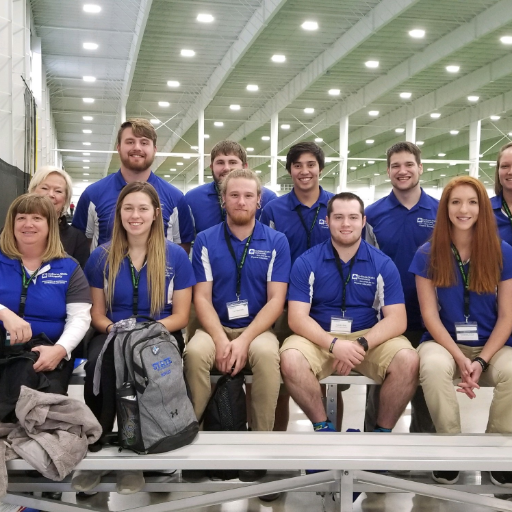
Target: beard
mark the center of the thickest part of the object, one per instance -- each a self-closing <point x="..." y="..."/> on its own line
<point x="241" y="217"/>
<point x="140" y="165"/>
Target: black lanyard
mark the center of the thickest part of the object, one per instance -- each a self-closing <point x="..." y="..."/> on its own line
<point x="465" y="279"/>
<point x="240" y="265"/>
<point x="344" y="282"/>
<point x="505" y="207"/>
<point x="219" y="198"/>
<point x="310" y="230"/>
<point x="135" y="282"/>
<point x="25" y="282"/>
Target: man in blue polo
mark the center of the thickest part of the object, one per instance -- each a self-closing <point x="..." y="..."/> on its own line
<point x="346" y="306"/>
<point x="205" y="201"/>
<point x="398" y="224"/>
<point x="136" y="145"/>
<point x="242" y="269"/>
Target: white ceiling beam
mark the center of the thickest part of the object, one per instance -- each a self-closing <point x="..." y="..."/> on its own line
<point x="381" y="15"/>
<point x="140" y="26"/>
<point x="486" y="22"/>
<point x="259" y="20"/>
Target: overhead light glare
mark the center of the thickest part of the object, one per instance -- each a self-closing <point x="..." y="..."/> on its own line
<point x="252" y="87"/>
<point x="399" y="130"/>
<point x="89" y="79"/>
<point x="86" y="161"/>
<point x="372" y="63"/>
<point x="92" y="8"/>
<point x="86" y="131"/>
<point x="86" y="154"/>
<point x="435" y="115"/>
<point x="376" y="174"/>
<point x="285" y="127"/>
<point x="405" y="95"/>
<point x="249" y="149"/>
<point x="417" y="33"/>
<point x="206" y="136"/>
<point x="205" y="18"/>
<point x="334" y="92"/>
<point x="88" y="100"/>
<point x="86" y="167"/>
<point x="234" y="107"/>
<point x="85" y="173"/>
<point x="452" y="69"/>
<point x="506" y="39"/>
<point x="473" y="98"/>
<point x="167" y="175"/>
<point x="430" y="169"/>
<point x="441" y="154"/>
<point x="86" y="143"/>
<point x="353" y="168"/>
<point x="419" y="143"/>
<point x="194" y="147"/>
<point x="309" y="110"/>
<point x="373" y="113"/>
<point x="310" y="25"/>
<point x="319" y="139"/>
<point x="454" y="132"/>
<point x="87" y="118"/>
<point x="173" y="83"/>
<point x="179" y="163"/>
<point x="218" y="123"/>
<point x="369" y="141"/>
<point x="155" y="121"/>
<point x="172" y="170"/>
<point x="265" y="137"/>
<point x="278" y="58"/>
<point x="187" y="53"/>
<point x="164" y="104"/>
<point x="90" y="46"/>
<point x="495" y="118"/>
<point x="86" y="181"/>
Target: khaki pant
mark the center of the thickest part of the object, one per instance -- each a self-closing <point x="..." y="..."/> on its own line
<point x="437" y="371"/>
<point x="263" y="360"/>
<point x="374" y="365"/>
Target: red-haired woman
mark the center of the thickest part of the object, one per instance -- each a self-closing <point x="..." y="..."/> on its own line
<point x="464" y="283"/>
<point x="502" y="201"/>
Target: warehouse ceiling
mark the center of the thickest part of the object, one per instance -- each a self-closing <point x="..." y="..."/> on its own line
<point x="139" y="51"/>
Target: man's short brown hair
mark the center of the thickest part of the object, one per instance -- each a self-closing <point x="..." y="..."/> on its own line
<point x="407" y="147"/>
<point x="228" y="147"/>
<point x="140" y="127"/>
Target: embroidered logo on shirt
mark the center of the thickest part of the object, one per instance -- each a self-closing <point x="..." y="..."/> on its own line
<point x="260" y="254"/>
<point x="426" y="223"/>
<point x="363" y="280"/>
<point x="323" y="223"/>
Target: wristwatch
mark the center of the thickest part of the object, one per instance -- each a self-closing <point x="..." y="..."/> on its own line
<point x="363" y="342"/>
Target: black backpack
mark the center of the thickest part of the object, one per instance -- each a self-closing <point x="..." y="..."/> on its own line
<point x="154" y="412"/>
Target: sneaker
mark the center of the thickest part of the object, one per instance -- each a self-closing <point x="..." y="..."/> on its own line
<point x="193" y="475"/>
<point x="129" y="482"/>
<point x="86" y="480"/>
<point x="267" y="498"/>
<point x="251" y="475"/>
<point x="501" y="478"/>
<point x="445" y="477"/>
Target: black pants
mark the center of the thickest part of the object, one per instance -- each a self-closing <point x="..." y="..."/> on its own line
<point x="103" y="405"/>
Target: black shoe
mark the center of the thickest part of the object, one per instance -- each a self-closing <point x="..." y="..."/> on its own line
<point x="51" y="495"/>
<point x="193" y="475"/>
<point x="251" y="475"/>
<point x="501" y="478"/>
<point x="267" y="498"/>
<point x="222" y="474"/>
<point x="445" y="477"/>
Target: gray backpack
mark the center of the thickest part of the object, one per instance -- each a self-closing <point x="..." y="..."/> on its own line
<point x="154" y="412"/>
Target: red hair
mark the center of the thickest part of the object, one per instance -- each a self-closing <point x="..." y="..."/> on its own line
<point x="486" y="258"/>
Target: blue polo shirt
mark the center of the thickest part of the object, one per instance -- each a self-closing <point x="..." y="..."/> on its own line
<point x="205" y="207"/>
<point x="482" y="307"/>
<point x="398" y="232"/>
<point x="95" y="211"/>
<point x="178" y="276"/>
<point x="282" y="215"/>
<point x="374" y="283"/>
<point x="503" y="222"/>
<point x="58" y="282"/>
<point x="268" y="260"/>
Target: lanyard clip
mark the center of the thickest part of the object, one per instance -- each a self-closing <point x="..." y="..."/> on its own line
<point x="466" y="317"/>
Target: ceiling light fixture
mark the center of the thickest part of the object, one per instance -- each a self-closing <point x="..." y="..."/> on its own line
<point x="452" y="69"/>
<point x="92" y="8"/>
<point x="353" y="168"/>
<point x="85" y="173"/>
<point x="405" y="95"/>
<point x="399" y="130"/>
<point x="164" y="104"/>
<point x="86" y="131"/>
<point x="90" y="46"/>
<point x="172" y="83"/>
<point x="285" y="127"/>
<point x="167" y="175"/>
<point x="252" y="87"/>
<point x="265" y="137"/>
<point x="506" y="39"/>
<point x="435" y="115"/>
<point x="369" y="141"/>
<point x="234" y="107"/>
<point x="419" y="143"/>
<point x="278" y="58"/>
<point x="454" y="132"/>
<point x="473" y="98"/>
<point x="87" y="118"/>
<point x="249" y="149"/>
<point x="86" y="167"/>
<point x="319" y="139"/>
<point x="334" y="92"/>
<point x="495" y="118"/>
<point x="310" y="25"/>
<point x="441" y="155"/>
<point x="372" y="63"/>
<point x="155" y="121"/>
<point x="179" y="163"/>
<point x="218" y="123"/>
<point x="205" y="18"/>
<point x="206" y="136"/>
<point x="89" y="79"/>
<point x="309" y="110"/>
<point x="86" y="143"/>
<point x="86" y="154"/>
<point x="430" y="169"/>
<point x="194" y="147"/>
<point x="417" y="33"/>
<point x="86" y="161"/>
<point x="172" y="170"/>
<point x="88" y="100"/>
<point x="373" y="113"/>
<point x="187" y="53"/>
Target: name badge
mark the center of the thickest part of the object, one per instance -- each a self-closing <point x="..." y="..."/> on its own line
<point x="238" y="309"/>
<point x="466" y="331"/>
<point x="341" y="325"/>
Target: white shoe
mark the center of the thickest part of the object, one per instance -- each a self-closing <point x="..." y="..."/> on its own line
<point x="129" y="482"/>
<point x="83" y="481"/>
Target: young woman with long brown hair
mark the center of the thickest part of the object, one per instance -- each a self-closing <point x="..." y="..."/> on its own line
<point x="464" y="283"/>
<point x="138" y="273"/>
